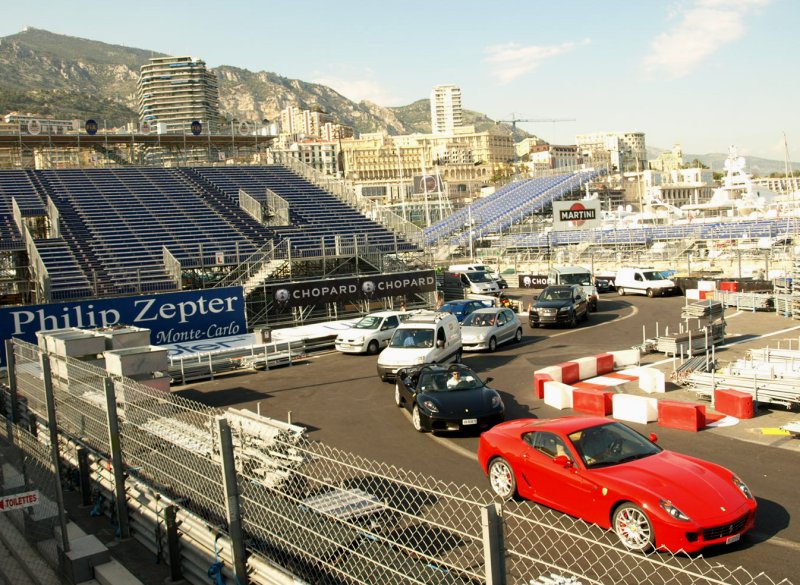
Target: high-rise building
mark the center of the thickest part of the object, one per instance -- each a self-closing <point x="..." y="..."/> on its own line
<point x="175" y="91"/>
<point x="446" y="109"/>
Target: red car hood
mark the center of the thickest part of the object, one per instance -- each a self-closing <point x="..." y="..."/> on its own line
<point x="693" y="486"/>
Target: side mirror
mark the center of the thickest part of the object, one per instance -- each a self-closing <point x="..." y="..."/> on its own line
<point x="487" y="380"/>
<point x="562" y="461"/>
<point x="653" y="438"/>
<point x="440" y="343"/>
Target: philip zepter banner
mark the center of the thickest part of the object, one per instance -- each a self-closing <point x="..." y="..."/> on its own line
<point x="349" y="289"/>
<point x="171" y="317"/>
<point x="576" y="215"/>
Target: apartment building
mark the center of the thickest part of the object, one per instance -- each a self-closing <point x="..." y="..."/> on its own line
<point x="446" y="113"/>
<point x="622" y="151"/>
<point x="175" y="91"/>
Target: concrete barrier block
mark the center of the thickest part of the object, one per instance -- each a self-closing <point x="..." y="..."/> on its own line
<point x="734" y="403"/>
<point x="596" y="402"/>
<point x="570" y="372"/>
<point x="686" y="416"/>
<point x="625" y="358"/>
<point x="632" y="408"/>
<point x="558" y="395"/>
<point x="652" y="380"/>
<point x="587" y="367"/>
<point x="542" y="376"/>
<point x="605" y="363"/>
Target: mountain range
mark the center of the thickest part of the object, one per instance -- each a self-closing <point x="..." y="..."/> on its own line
<point x="69" y="77"/>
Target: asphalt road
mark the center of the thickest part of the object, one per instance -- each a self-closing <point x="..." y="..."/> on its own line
<point x="342" y="402"/>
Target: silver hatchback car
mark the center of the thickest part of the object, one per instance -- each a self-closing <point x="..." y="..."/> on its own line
<point x="488" y="328"/>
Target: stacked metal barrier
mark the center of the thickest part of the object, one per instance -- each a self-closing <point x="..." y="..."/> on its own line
<point x="746" y="301"/>
<point x="784" y="302"/>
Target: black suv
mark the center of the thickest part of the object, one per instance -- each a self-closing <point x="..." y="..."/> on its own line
<point x="562" y="304"/>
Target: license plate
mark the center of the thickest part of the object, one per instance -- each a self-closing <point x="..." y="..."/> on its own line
<point x="469" y="421"/>
<point x="732" y="539"/>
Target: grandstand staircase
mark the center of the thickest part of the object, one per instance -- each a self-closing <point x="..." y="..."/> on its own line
<point x="111" y="154"/>
<point x="231" y="213"/>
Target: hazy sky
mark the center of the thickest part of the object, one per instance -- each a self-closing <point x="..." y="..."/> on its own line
<point x="703" y="73"/>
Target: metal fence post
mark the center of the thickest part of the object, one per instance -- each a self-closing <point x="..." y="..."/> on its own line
<point x="11" y="370"/>
<point x="232" y="508"/>
<point x="116" y="458"/>
<point x="84" y="480"/>
<point x="494" y="552"/>
<point x="52" y="426"/>
<point x="173" y="548"/>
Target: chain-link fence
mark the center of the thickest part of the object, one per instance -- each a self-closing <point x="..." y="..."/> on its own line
<point x="255" y="498"/>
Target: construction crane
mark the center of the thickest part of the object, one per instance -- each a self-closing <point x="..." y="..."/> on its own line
<point x="513" y="121"/>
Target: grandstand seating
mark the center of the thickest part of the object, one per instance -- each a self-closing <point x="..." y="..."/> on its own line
<point x="115" y="223"/>
<point x="15" y="185"/>
<point x="506" y="206"/>
<point x="319" y="215"/>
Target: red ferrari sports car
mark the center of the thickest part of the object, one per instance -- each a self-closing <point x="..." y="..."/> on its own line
<point x="606" y="473"/>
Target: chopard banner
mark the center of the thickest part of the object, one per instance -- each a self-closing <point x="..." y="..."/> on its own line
<point x="171" y="317"/>
<point x="354" y="288"/>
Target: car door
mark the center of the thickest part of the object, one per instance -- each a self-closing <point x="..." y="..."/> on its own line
<point x="387" y="328"/>
<point x="562" y="487"/>
<point x="581" y="303"/>
<point x="501" y="326"/>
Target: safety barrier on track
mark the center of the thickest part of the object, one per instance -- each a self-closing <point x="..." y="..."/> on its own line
<point x="588" y="385"/>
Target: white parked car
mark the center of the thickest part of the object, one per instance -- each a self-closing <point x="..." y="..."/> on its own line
<point x="370" y="333"/>
<point x="488" y="328"/>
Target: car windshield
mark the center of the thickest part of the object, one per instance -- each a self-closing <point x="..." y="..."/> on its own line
<point x="611" y="444"/>
<point x="454" y="309"/>
<point x="368" y="322"/>
<point x="556" y="294"/>
<point x="478" y="277"/>
<point x="456" y="379"/>
<point x="653" y="275"/>
<point x="413" y="338"/>
<point x="576" y="278"/>
<point x="479" y="320"/>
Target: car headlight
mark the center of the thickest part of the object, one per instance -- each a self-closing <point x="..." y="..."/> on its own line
<point x="430" y="405"/>
<point x="673" y="511"/>
<point x="743" y="487"/>
<point x="564" y="310"/>
<point x="358" y="340"/>
<point x="420" y="360"/>
<point x="497" y="402"/>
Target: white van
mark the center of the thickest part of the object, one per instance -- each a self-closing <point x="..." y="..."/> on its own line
<point x="644" y="281"/>
<point x="575" y="275"/>
<point x="490" y="272"/>
<point x="370" y="333"/>
<point x="473" y="281"/>
<point x="426" y="337"/>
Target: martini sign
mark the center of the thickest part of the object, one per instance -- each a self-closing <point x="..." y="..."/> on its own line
<point x="576" y="215"/>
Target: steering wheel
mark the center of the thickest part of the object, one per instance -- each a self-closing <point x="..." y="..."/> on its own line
<point x="615" y="447"/>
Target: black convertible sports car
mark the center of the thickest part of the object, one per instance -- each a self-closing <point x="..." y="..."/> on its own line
<point x="447" y="398"/>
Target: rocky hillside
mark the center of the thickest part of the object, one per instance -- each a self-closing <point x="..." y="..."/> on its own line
<point x="60" y="75"/>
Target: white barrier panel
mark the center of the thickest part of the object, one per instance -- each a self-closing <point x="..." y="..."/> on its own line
<point x="631" y="408"/>
<point x="625" y="357"/>
<point x="558" y="395"/>
<point x="706" y="285"/>
<point x="651" y="380"/>
<point x="692" y="294"/>
<point x="552" y="371"/>
<point x="587" y="367"/>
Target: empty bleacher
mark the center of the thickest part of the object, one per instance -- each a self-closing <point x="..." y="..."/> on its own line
<point x="113" y="224"/>
<point x="316" y="216"/>
<point x="503" y="208"/>
<point x="15" y="186"/>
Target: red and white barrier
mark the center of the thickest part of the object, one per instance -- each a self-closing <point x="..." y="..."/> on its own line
<point x="558" y="395"/>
